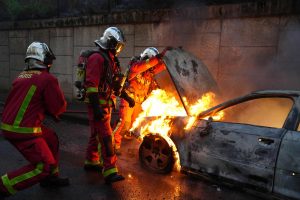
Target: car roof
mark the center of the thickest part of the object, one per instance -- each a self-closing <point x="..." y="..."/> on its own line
<point x="277" y="92"/>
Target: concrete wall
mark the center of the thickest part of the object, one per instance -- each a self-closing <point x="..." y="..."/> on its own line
<point x="243" y="54"/>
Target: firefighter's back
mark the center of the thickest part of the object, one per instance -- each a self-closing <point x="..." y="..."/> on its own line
<point x="25" y="105"/>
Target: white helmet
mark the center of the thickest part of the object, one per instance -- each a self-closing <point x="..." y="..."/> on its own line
<point x="112" y="39"/>
<point x="149" y="52"/>
<point x="40" y="51"/>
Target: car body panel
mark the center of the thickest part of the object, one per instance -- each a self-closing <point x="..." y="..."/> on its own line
<point x="287" y="174"/>
<point x="235" y="152"/>
<point x="277" y="166"/>
<point x="265" y="158"/>
<point x="262" y="157"/>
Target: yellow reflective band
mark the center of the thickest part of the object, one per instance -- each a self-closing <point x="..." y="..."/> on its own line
<point x="102" y="101"/>
<point x="110" y="171"/>
<point x="55" y="170"/>
<point x="91" y="90"/>
<point x="16" y="125"/>
<point x="99" y="151"/>
<point x="24" y="105"/>
<point x="18" y="129"/>
<point x="10" y="183"/>
<point x="38" y="170"/>
<point x="87" y="162"/>
<point x="8" y="186"/>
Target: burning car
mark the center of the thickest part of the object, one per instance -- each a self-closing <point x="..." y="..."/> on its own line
<point x="252" y="141"/>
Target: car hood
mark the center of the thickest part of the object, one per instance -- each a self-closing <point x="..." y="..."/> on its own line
<point x="186" y="76"/>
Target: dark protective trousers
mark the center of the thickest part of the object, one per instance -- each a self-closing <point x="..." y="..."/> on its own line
<point x="101" y="136"/>
<point x="42" y="154"/>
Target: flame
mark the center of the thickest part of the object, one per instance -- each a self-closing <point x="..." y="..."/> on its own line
<point x="163" y="108"/>
<point x="206" y="102"/>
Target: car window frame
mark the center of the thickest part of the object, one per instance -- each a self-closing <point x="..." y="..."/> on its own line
<point x="289" y="123"/>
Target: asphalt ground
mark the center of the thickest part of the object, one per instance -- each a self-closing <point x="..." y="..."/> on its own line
<point x="73" y="132"/>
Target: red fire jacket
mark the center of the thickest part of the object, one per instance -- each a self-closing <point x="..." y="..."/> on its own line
<point x="141" y="66"/>
<point x="34" y="93"/>
<point x="96" y="78"/>
<point x="141" y="77"/>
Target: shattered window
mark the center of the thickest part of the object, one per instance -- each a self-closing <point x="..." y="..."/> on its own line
<point x="269" y="112"/>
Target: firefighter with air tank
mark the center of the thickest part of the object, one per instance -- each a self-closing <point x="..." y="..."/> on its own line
<point x="101" y="87"/>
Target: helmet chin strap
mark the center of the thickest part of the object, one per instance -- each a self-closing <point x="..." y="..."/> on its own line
<point x="35" y="64"/>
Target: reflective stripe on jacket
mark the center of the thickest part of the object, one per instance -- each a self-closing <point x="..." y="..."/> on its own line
<point x="95" y="79"/>
<point x="34" y="93"/>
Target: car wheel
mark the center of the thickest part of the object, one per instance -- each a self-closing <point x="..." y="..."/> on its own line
<point x="156" y="155"/>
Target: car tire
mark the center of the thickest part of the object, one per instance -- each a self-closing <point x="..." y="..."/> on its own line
<point x="156" y="155"/>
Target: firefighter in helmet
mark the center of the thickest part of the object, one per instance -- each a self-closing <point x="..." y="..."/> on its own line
<point x="101" y="69"/>
<point x="35" y="92"/>
<point x="140" y="84"/>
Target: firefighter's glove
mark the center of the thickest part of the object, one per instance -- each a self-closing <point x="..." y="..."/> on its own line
<point x="127" y="98"/>
<point x="98" y="113"/>
<point x="116" y="83"/>
<point x="97" y="110"/>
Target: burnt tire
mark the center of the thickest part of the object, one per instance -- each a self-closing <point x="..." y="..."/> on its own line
<point x="156" y="155"/>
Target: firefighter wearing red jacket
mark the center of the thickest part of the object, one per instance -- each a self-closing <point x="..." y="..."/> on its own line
<point x="34" y="93"/>
<point x="140" y="84"/>
<point x="100" y="71"/>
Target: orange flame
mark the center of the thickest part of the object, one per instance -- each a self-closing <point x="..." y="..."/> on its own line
<point x="206" y="102"/>
<point x="164" y="107"/>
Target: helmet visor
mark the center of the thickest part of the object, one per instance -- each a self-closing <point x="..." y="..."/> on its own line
<point x="119" y="47"/>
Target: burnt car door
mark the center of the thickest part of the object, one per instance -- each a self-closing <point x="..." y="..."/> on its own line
<point x="287" y="173"/>
<point x="237" y="151"/>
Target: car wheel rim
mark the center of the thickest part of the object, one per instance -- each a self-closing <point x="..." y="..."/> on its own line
<point x="155" y="153"/>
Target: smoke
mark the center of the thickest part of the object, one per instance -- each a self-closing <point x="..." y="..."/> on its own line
<point x="264" y="67"/>
<point x="243" y="55"/>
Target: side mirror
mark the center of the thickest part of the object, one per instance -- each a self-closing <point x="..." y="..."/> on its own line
<point x="206" y="129"/>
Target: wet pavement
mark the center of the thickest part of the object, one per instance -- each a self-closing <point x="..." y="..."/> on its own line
<point x="139" y="183"/>
<point x="73" y="133"/>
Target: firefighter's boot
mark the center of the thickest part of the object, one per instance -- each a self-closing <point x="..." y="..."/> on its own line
<point x="54" y="181"/>
<point x="114" y="178"/>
